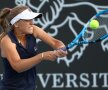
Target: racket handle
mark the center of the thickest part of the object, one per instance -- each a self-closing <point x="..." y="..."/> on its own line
<point x="65" y="48"/>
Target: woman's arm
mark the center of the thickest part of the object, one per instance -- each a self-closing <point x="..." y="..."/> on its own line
<point x="8" y="50"/>
<point x="41" y="34"/>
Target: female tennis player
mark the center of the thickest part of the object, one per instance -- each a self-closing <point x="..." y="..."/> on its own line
<point x="19" y="48"/>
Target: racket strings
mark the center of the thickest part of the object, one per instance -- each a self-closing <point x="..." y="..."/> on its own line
<point x="94" y="34"/>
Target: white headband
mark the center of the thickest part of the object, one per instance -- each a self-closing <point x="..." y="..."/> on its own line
<point x="26" y="15"/>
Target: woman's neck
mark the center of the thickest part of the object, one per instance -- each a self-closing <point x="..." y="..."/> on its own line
<point x="20" y="36"/>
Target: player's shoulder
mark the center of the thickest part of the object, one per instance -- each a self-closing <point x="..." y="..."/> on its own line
<point x="5" y="40"/>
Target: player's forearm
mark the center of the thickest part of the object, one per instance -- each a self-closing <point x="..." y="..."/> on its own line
<point x="58" y="44"/>
<point x="25" y="64"/>
<point x="41" y="34"/>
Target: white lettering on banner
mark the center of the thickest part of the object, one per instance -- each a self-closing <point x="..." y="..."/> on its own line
<point x="94" y="79"/>
<point x="84" y="79"/>
<point x="1" y="76"/>
<point x="72" y="80"/>
<point x="57" y="80"/>
<point x="44" y="82"/>
<point x="105" y="79"/>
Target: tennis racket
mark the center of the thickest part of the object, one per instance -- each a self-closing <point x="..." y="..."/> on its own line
<point x="89" y="35"/>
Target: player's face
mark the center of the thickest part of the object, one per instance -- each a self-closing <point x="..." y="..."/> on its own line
<point x="25" y="26"/>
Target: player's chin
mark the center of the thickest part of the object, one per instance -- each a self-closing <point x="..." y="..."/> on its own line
<point x="29" y="31"/>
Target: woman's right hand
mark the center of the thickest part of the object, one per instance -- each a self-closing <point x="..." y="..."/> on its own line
<point x="49" y="55"/>
<point x="53" y="55"/>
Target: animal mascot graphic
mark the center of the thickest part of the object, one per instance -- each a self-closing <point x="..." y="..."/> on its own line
<point x="65" y="20"/>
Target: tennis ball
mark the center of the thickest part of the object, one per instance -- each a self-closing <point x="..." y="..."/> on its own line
<point x="94" y="24"/>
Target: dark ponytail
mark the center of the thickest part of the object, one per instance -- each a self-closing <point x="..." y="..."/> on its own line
<point x="4" y="24"/>
<point x="6" y="15"/>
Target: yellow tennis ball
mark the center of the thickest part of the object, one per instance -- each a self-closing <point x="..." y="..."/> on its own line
<point x="94" y="24"/>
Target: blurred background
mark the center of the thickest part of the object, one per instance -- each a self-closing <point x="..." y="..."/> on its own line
<point x="86" y="66"/>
